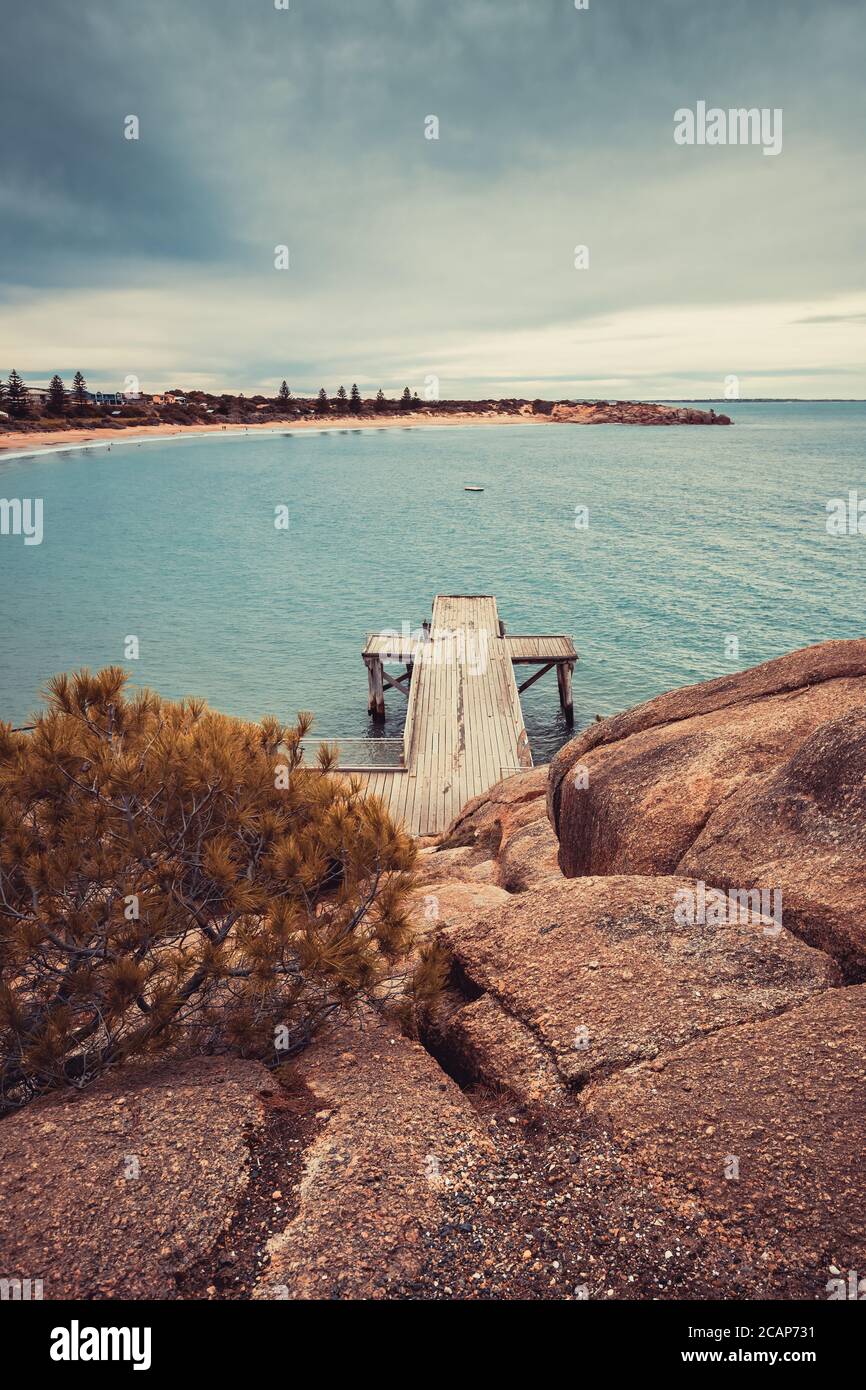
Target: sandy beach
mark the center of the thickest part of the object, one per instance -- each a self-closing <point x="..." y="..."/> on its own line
<point x="35" y="441"/>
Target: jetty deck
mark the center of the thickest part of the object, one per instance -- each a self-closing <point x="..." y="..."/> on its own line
<point x="464" y="725"/>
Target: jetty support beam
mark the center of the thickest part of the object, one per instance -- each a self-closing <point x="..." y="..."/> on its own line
<point x="376" y="685"/>
<point x="563" y="680"/>
<point x="396" y="683"/>
<point x="542" y="671"/>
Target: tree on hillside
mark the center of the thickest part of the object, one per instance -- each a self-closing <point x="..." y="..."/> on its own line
<point x="56" y="395"/>
<point x="284" y="394"/>
<point x="322" y="403"/>
<point x="381" y="400"/>
<point x="169" y="875"/>
<point x="406" y="399"/>
<point x="342" y="398"/>
<point x="79" y="389"/>
<point x="356" y="404"/>
<point x="16" y="395"/>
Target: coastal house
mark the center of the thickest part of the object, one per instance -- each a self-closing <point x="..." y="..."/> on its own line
<point x="41" y="393"/>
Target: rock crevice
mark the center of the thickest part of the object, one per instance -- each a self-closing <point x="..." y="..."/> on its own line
<point x="584" y="977"/>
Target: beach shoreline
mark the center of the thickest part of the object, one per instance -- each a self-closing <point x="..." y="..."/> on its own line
<point x="45" y="441"/>
<point x="18" y="443"/>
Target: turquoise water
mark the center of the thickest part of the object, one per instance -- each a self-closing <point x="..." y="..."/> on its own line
<point x="694" y="535"/>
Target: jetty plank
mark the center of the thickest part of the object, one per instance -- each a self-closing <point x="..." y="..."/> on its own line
<point x="540" y="648"/>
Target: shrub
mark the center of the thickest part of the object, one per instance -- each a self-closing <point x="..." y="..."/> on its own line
<point x="172" y="876"/>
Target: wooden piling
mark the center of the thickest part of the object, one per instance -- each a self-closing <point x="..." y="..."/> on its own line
<point x="563" y="680"/>
<point x="376" y="686"/>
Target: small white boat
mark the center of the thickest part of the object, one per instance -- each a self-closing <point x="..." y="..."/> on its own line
<point x="472" y="487"/>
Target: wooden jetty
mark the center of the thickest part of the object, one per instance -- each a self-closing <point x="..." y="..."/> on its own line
<point x="464" y="726"/>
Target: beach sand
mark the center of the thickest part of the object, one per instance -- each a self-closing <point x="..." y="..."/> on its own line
<point x="32" y="441"/>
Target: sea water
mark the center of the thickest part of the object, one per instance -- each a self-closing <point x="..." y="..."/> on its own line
<point x="670" y="555"/>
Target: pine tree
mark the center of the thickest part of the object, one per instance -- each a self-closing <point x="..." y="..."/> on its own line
<point x="284" y="394"/>
<point x="79" y="389"/>
<point x="322" y="404"/>
<point x="406" y="399"/>
<point x="357" y="405"/>
<point x="171" y="875"/>
<point x="56" y="395"/>
<point x="380" y="400"/>
<point x="342" y="399"/>
<point x="16" y="395"/>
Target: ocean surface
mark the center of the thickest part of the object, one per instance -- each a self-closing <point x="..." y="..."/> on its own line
<point x="696" y="536"/>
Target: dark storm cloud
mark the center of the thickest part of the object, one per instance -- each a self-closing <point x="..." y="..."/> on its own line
<point x="79" y="202"/>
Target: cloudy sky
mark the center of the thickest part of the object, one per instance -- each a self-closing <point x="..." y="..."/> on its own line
<point x="412" y="257"/>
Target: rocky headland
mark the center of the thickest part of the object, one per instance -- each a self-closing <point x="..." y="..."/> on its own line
<point x="627" y="1089"/>
<point x="634" y="413"/>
